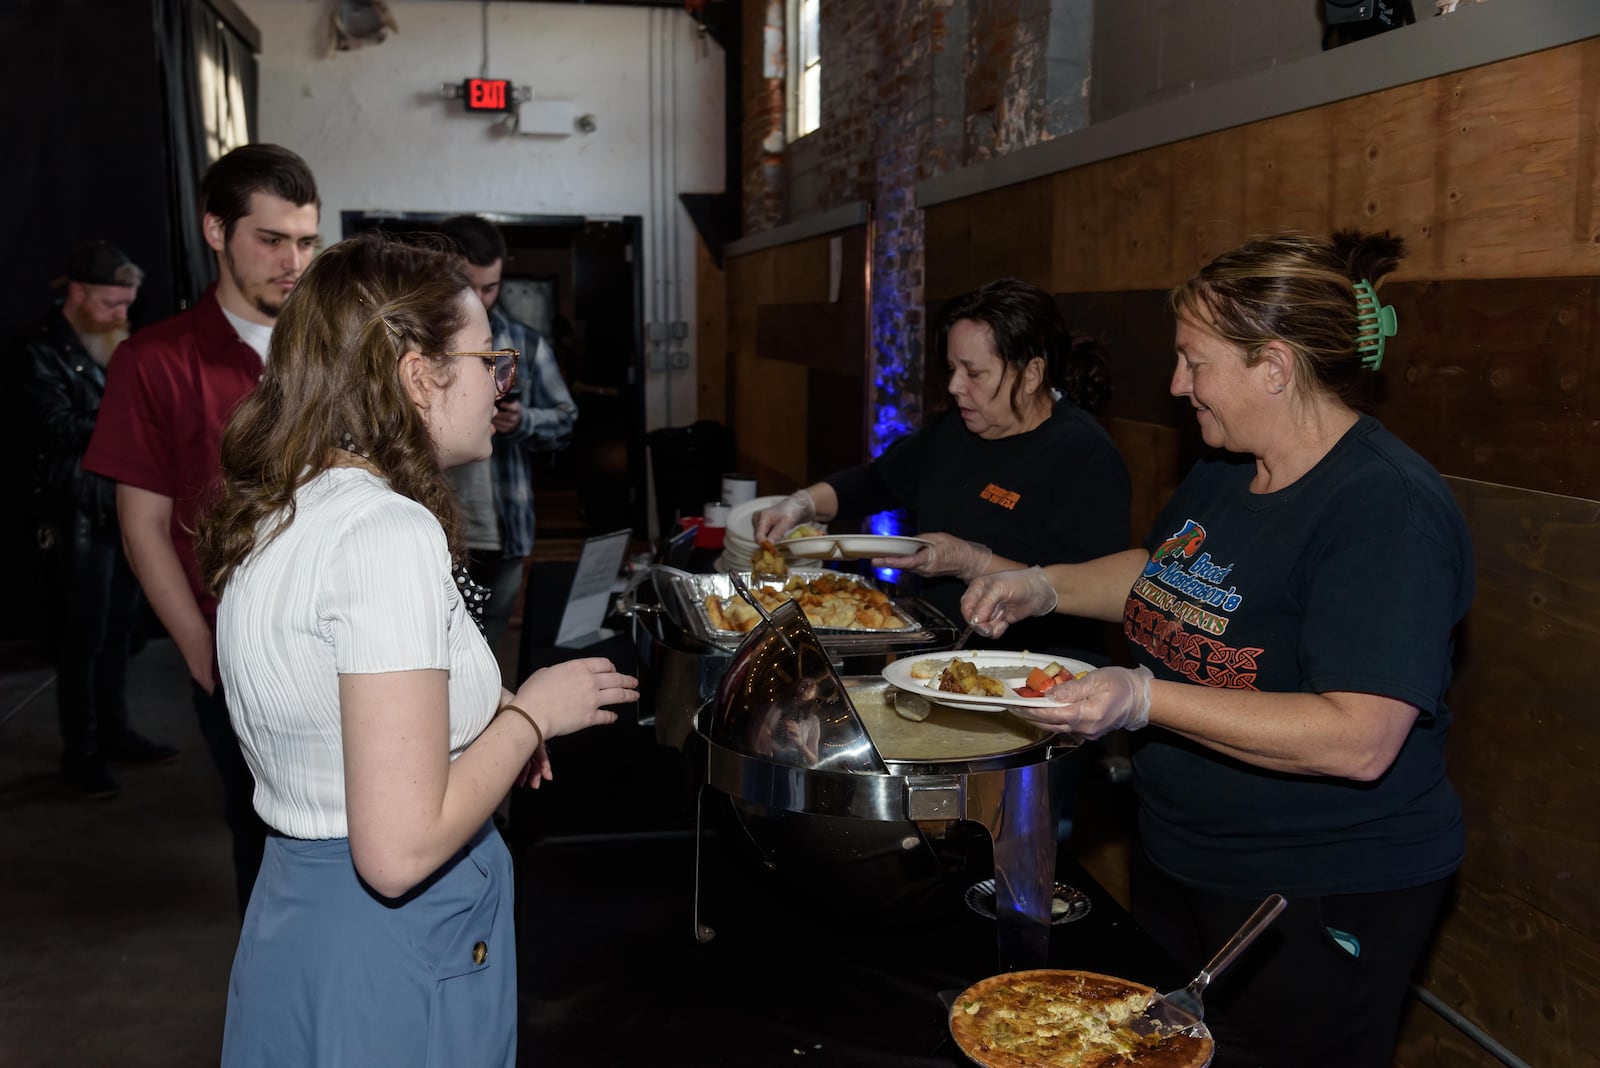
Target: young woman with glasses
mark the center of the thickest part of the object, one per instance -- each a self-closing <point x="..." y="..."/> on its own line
<point x="366" y="701"/>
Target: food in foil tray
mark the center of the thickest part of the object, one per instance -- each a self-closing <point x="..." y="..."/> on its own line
<point x="827" y="601"/>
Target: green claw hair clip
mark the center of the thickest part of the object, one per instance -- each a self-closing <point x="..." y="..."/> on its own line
<point x="1377" y="322"/>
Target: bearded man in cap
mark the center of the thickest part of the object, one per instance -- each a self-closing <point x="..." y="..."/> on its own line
<point x="64" y="365"/>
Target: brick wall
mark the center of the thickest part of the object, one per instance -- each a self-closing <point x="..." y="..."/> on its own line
<point x="763" y="77"/>
<point x="911" y="89"/>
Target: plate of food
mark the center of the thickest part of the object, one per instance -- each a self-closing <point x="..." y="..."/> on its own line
<point x="1059" y="1018"/>
<point x="850" y="546"/>
<point x="985" y="679"/>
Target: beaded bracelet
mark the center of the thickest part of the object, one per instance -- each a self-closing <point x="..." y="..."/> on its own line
<point x="531" y="723"/>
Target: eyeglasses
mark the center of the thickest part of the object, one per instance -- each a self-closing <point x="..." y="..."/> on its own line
<point x="502" y="363"/>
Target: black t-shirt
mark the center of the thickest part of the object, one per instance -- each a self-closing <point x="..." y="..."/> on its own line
<point x="1352" y="579"/>
<point x="1056" y="494"/>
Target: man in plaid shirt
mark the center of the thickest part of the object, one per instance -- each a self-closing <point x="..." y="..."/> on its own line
<point x="496" y="495"/>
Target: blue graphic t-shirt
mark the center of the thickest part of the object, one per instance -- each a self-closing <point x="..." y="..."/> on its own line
<point x="1352" y="579"/>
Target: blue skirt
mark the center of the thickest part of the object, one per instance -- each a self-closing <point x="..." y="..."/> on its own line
<point x="328" y="974"/>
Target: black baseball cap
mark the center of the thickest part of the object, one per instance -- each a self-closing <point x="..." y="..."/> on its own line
<point x="100" y="263"/>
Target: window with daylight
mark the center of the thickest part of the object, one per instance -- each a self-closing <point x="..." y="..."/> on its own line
<point x="805" y="68"/>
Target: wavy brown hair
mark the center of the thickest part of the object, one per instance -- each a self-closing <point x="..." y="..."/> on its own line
<point x="1297" y="289"/>
<point x="333" y="381"/>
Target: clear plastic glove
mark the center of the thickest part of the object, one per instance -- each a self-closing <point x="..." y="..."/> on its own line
<point x="947" y="555"/>
<point x="993" y="602"/>
<point x="773" y="523"/>
<point x="1102" y="701"/>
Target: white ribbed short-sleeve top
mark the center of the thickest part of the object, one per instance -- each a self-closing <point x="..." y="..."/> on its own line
<point x="359" y="583"/>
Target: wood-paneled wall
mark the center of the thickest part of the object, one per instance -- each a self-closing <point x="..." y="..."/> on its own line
<point x="796" y="366"/>
<point x="1491" y="176"/>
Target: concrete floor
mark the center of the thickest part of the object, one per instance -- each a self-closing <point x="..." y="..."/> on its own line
<point x="119" y="917"/>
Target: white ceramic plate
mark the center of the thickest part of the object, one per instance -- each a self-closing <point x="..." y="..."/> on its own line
<point x="741" y="518"/>
<point x="850" y="546"/>
<point x="899" y="675"/>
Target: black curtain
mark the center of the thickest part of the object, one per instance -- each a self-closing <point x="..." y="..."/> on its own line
<point x="209" y="81"/>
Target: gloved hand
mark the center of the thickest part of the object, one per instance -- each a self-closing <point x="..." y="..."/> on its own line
<point x="1097" y="704"/>
<point x="773" y="523"/>
<point x="947" y="555"/>
<point x="994" y="602"/>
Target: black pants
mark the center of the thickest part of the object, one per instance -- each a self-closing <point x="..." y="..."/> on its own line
<point x="238" y="789"/>
<point x="99" y="600"/>
<point x="1297" y="998"/>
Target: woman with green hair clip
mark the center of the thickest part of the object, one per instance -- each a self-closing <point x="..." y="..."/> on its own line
<point x="1291" y="615"/>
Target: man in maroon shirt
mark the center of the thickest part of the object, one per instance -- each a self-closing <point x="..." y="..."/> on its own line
<point x="170" y="392"/>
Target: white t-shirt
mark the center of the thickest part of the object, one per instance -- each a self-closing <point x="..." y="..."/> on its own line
<point x="255" y="335"/>
<point x="359" y="583"/>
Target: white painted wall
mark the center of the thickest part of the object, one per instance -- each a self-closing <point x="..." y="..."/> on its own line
<point x="378" y="136"/>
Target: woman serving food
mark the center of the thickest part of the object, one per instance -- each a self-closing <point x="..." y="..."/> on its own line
<point x="1019" y="473"/>
<point x="366" y="701"/>
<point x="1292" y="615"/>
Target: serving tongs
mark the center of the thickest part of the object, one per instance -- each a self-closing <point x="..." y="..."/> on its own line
<point x="743" y="590"/>
<point x="1177" y="1011"/>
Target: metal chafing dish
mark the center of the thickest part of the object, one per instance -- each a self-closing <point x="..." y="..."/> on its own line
<point x="682" y="658"/>
<point x="786" y="741"/>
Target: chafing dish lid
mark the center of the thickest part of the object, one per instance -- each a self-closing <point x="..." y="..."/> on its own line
<point x="782" y="700"/>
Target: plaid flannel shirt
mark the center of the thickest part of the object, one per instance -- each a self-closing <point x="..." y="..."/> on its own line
<point x="548" y="414"/>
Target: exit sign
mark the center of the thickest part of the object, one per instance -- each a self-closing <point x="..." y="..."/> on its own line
<point x="488" y="94"/>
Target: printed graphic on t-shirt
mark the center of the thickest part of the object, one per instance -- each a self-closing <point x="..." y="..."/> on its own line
<point x="1181" y="605"/>
<point x="1005" y="498"/>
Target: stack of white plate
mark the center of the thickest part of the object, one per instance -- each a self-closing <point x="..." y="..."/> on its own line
<point x="738" y="538"/>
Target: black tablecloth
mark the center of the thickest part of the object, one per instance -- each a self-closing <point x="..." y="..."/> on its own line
<point x="612" y="973"/>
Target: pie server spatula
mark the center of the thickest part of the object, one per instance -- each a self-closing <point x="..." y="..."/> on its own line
<point x="1179" y="1010"/>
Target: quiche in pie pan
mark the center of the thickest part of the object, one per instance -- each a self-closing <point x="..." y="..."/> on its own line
<point x="1058" y="1018"/>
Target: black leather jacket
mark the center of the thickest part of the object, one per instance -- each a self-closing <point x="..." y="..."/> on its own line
<point x="61" y="391"/>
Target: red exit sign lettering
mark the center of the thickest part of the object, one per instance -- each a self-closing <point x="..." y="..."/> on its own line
<point x="487" y="94"/>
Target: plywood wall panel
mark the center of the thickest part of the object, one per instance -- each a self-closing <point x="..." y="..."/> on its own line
<point x="713" y="358"/>
<point x="1208" y="194"/>
<point x="1428" y="1040"/>
<point x="1386" y="171"/>
<point x="1154" y="455"/>
<point x="1510" y="152"/>
<point x="1526" y="745"/>
<point x="1520" y="976"/>
<point x="1499" y="380"/>
<point x="992" y="235"/>
<point x="776" y="377"/>
<point x="1112" y="219"/>
<point x="1290" y="173"/>
<point x="770" y="401"/>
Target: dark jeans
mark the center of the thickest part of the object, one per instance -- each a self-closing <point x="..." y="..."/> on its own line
<point x="99" y="601"/>
<point x="238" y="789"/>
<point x="1297" y="998"/>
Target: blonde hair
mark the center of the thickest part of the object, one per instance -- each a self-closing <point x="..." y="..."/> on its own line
<point x="333" y="382"/>
<point x="1295" y="289"/>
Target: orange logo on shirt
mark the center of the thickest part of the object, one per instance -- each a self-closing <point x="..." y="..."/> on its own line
<point x="1003" y="497"/>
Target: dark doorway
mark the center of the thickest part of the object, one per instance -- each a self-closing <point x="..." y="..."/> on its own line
<point x="576" y="280"/>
